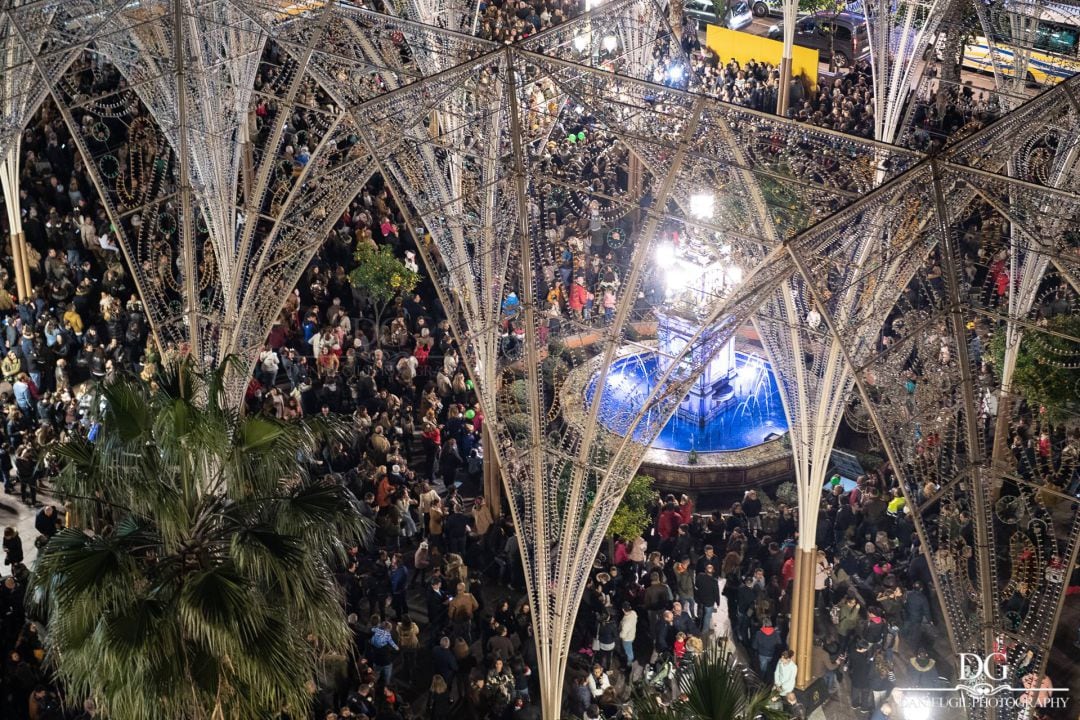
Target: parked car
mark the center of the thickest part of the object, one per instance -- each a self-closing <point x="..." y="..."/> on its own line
<point x="737" y="16"/>
<point x="764" y="8"/>
<point x="841" y="37"/>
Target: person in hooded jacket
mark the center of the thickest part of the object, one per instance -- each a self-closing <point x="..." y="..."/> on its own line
<point x="922" y="670"/>
<point x="874" y="629"/>
<point x="767" y="641"/>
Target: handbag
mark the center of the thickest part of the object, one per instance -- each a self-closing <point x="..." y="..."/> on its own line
<point x="834" y="614"/>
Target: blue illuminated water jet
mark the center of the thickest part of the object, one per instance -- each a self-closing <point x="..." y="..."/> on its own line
<point x="753" y="416"/>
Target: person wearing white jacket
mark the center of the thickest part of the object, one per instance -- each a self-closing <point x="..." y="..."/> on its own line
<point x="598" y="682"/>
<point x="628" y="632"/>
<point x="784" y="676"/>
<point x="720" y="621"/>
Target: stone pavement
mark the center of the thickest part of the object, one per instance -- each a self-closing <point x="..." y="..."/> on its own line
<point x="14" y="513"/>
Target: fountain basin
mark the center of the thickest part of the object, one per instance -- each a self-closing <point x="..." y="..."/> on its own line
<point x="715" y="477"/>
<point x="751" y="414"/>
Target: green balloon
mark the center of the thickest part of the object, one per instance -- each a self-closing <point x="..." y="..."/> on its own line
<point x="581" y="135"/>
<point x="469" y="384"/>
<point x="572" y="137"/>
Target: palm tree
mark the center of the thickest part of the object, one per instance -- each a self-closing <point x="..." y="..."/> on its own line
<point x="713" y="687"/>
<point x="200" y="584"/>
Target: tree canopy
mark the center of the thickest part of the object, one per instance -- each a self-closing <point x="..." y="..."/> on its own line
<point x="197" y="581"/>
<point x="1047" y="365"/>
<point x="632" y="516"/>
<point x="380" y="274"/>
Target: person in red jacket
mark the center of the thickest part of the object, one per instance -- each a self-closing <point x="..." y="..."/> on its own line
<point x="787" y="570"/>
<point x="670" y="519"/>
<point x="578" y="296"/>
<point x="686" y="510"/>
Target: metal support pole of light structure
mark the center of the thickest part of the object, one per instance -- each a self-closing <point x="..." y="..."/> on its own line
<point x="982" y="549"/>
<point x="675" y="18"/>
<point x="1062" y="592"/>
<point x="492" y="479"/>
<point x="476" y="18"/>
<point x="9" y="176"/>
<point x="248" y="179"/>
<point x="183" y="159"/>
<point x="550" y="664"/>
<point x="636" y="181"/>
<point x="801" y="632"/>
<point x="1022" y="38"/>
<point x="864" y="395"/>
<point x="791" y="14"/>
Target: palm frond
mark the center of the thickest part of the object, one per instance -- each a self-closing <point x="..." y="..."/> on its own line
<point x="713" y="687"/>
<point x="211" y="565"/>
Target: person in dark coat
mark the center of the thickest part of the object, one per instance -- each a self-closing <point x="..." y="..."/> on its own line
<point x="578" y="699"/>
<point x="861" y="664"/>
<point x="443" y="661"/>
<point x="707" y="591"/>
<point x="664" y="634"/>
<point x="13" y="548"/>
<point x="48" y="521"/>
<point x="744" y="604"/>
<point x="437" y="602"/>
<point x="916" y="612"/>
<point x="439" y="698"/>
<point x="766" y="643"/>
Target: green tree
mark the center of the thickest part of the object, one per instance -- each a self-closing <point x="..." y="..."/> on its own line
<point x="382" y="277"/>
<point x="632" y="516"/>
<point x="1047" y="366"/>
<point x="197" y="580"/>
<point x="714" y="688"/>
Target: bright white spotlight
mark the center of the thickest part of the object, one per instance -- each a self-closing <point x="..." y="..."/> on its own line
<point x="917" y="711"/>
<point x="665" y="255"/>
<point x="590" y="4"/>
<point x="675" y="73"/>
<point x="678" y="276"/>
<point x="733" y="275"/>
<point x="610" y="43"/>
<point x="702" y="205"/>
<point x="580" y="43"/>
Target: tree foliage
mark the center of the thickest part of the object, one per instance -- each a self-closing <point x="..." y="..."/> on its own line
<point x="1047" y="366"/>
<point x="381" y="275"/>
<point x="714" y="688"/>
<point x="632" y="516"/>
<point x="200" y="584"/>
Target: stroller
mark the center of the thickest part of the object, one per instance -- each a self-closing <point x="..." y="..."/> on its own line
<point x="660" y="675"/>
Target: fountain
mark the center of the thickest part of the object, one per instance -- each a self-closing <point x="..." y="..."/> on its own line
<point x="726" y="433"/>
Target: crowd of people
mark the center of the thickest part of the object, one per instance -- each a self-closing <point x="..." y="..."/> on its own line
<point x="436" y="599"/>
<point x="844" y="103"/>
